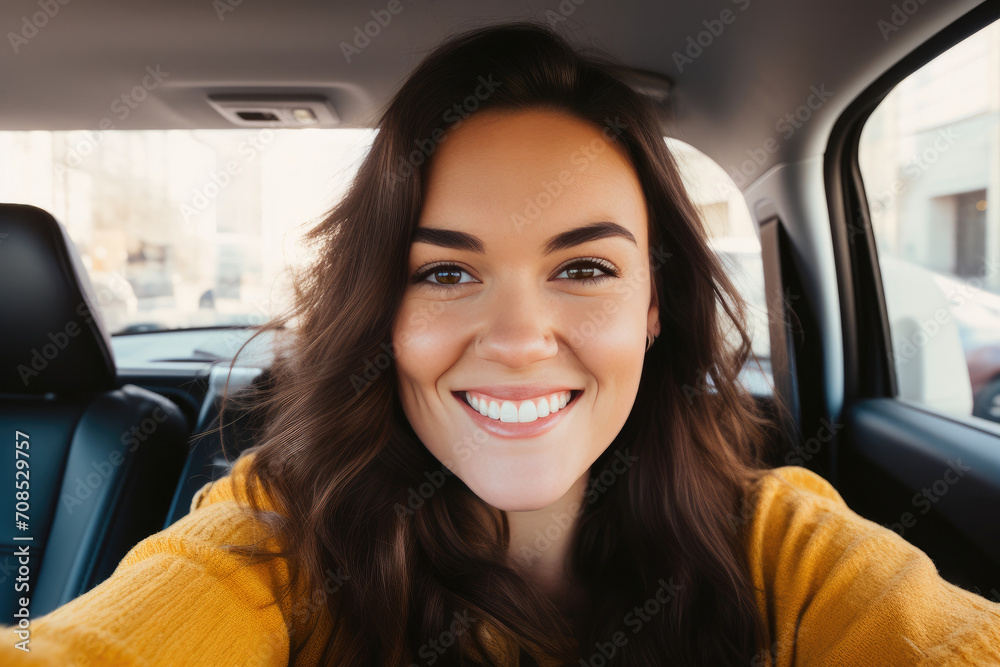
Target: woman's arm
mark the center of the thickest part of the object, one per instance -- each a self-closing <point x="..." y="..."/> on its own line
<point x="176" y="598"/>
<point x="841" y="590"/>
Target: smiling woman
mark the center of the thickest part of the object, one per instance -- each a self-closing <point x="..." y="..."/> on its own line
<point x="501" y="353"/>
<point x="520" y="267"/>
<point x="528" y="478"/>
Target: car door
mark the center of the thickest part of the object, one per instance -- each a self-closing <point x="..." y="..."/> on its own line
<point x="912" y="175"/>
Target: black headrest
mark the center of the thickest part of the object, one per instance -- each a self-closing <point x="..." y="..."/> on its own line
<point x="51" y="335"/>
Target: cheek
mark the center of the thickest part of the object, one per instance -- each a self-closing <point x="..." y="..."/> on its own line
<point x="425" y="340"/>
<point x="426" y="343"/>
<point x="429" y="339"/>
<point x="608" y="339"/>
<point x="606" y="332"/>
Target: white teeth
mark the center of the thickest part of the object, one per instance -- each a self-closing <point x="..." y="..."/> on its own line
<point x="519" y="411"/>
<point x="508" y="412"/>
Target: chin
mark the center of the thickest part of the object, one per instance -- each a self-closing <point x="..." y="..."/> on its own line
<point x="519" y="504"/>
<point x="512" y="492"/>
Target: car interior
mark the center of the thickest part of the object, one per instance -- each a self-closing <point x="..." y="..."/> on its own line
<point x="158" y="162"/>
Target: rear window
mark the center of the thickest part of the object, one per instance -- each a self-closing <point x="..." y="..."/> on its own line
<point x="182" y="228"/>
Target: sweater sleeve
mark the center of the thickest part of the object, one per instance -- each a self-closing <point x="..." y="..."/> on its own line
<point x="176" y="598"/>
<point x="839" y="589"/>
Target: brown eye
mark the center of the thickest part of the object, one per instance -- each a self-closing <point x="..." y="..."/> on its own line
<point x="589" y="270"/>
<point x="443" y="276"/>
<point x="448" y="277"/>
<point x="580" y="273"/>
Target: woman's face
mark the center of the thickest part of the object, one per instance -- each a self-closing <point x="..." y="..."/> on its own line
<point x="531" y="285"/>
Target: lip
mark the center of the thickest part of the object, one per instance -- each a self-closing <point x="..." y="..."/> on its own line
<point x="515" y="430"/>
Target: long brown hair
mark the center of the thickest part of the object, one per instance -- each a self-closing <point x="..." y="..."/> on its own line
<point x="659" y="545"/>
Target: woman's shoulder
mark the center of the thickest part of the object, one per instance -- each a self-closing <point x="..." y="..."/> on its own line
<point x="838" y="588"/>
<point x="792" y="513"/>
<point x="218" y="515"/>
<point x="792" y="493"/>
<point x="795" y="482"/>
<point x="230" y="487"/>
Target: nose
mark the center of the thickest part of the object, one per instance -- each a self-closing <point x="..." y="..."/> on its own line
<point x="518" y="326"/>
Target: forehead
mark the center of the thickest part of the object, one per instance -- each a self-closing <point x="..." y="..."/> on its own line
<point x="508" y="171"/>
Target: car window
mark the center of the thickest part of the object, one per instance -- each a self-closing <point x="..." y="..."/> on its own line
<point x="184" y="228"/>
<point x="733" y="236"/>
<point x="930" y="161"/>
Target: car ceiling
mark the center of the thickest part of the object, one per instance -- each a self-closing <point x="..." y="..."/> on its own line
<point x="726" y="101"/>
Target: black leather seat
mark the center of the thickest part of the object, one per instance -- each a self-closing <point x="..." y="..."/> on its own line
<point x="214" y="449"/>
<point x="101" y="462"/>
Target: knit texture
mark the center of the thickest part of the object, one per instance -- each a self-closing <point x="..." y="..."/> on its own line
<point x="834" y="589"/>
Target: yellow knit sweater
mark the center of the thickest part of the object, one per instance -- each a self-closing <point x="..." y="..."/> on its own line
<point x="835" y="589"/>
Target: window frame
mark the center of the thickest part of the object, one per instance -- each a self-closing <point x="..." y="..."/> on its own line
<point x="869" y="369"/>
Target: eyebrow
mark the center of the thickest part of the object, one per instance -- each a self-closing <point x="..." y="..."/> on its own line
<point x="450" y="238"/>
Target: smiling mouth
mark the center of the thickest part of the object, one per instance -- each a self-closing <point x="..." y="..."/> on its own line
<point x="520" y="412"/>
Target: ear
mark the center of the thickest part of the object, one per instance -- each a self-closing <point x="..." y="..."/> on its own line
<point x="653" y="318"/>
